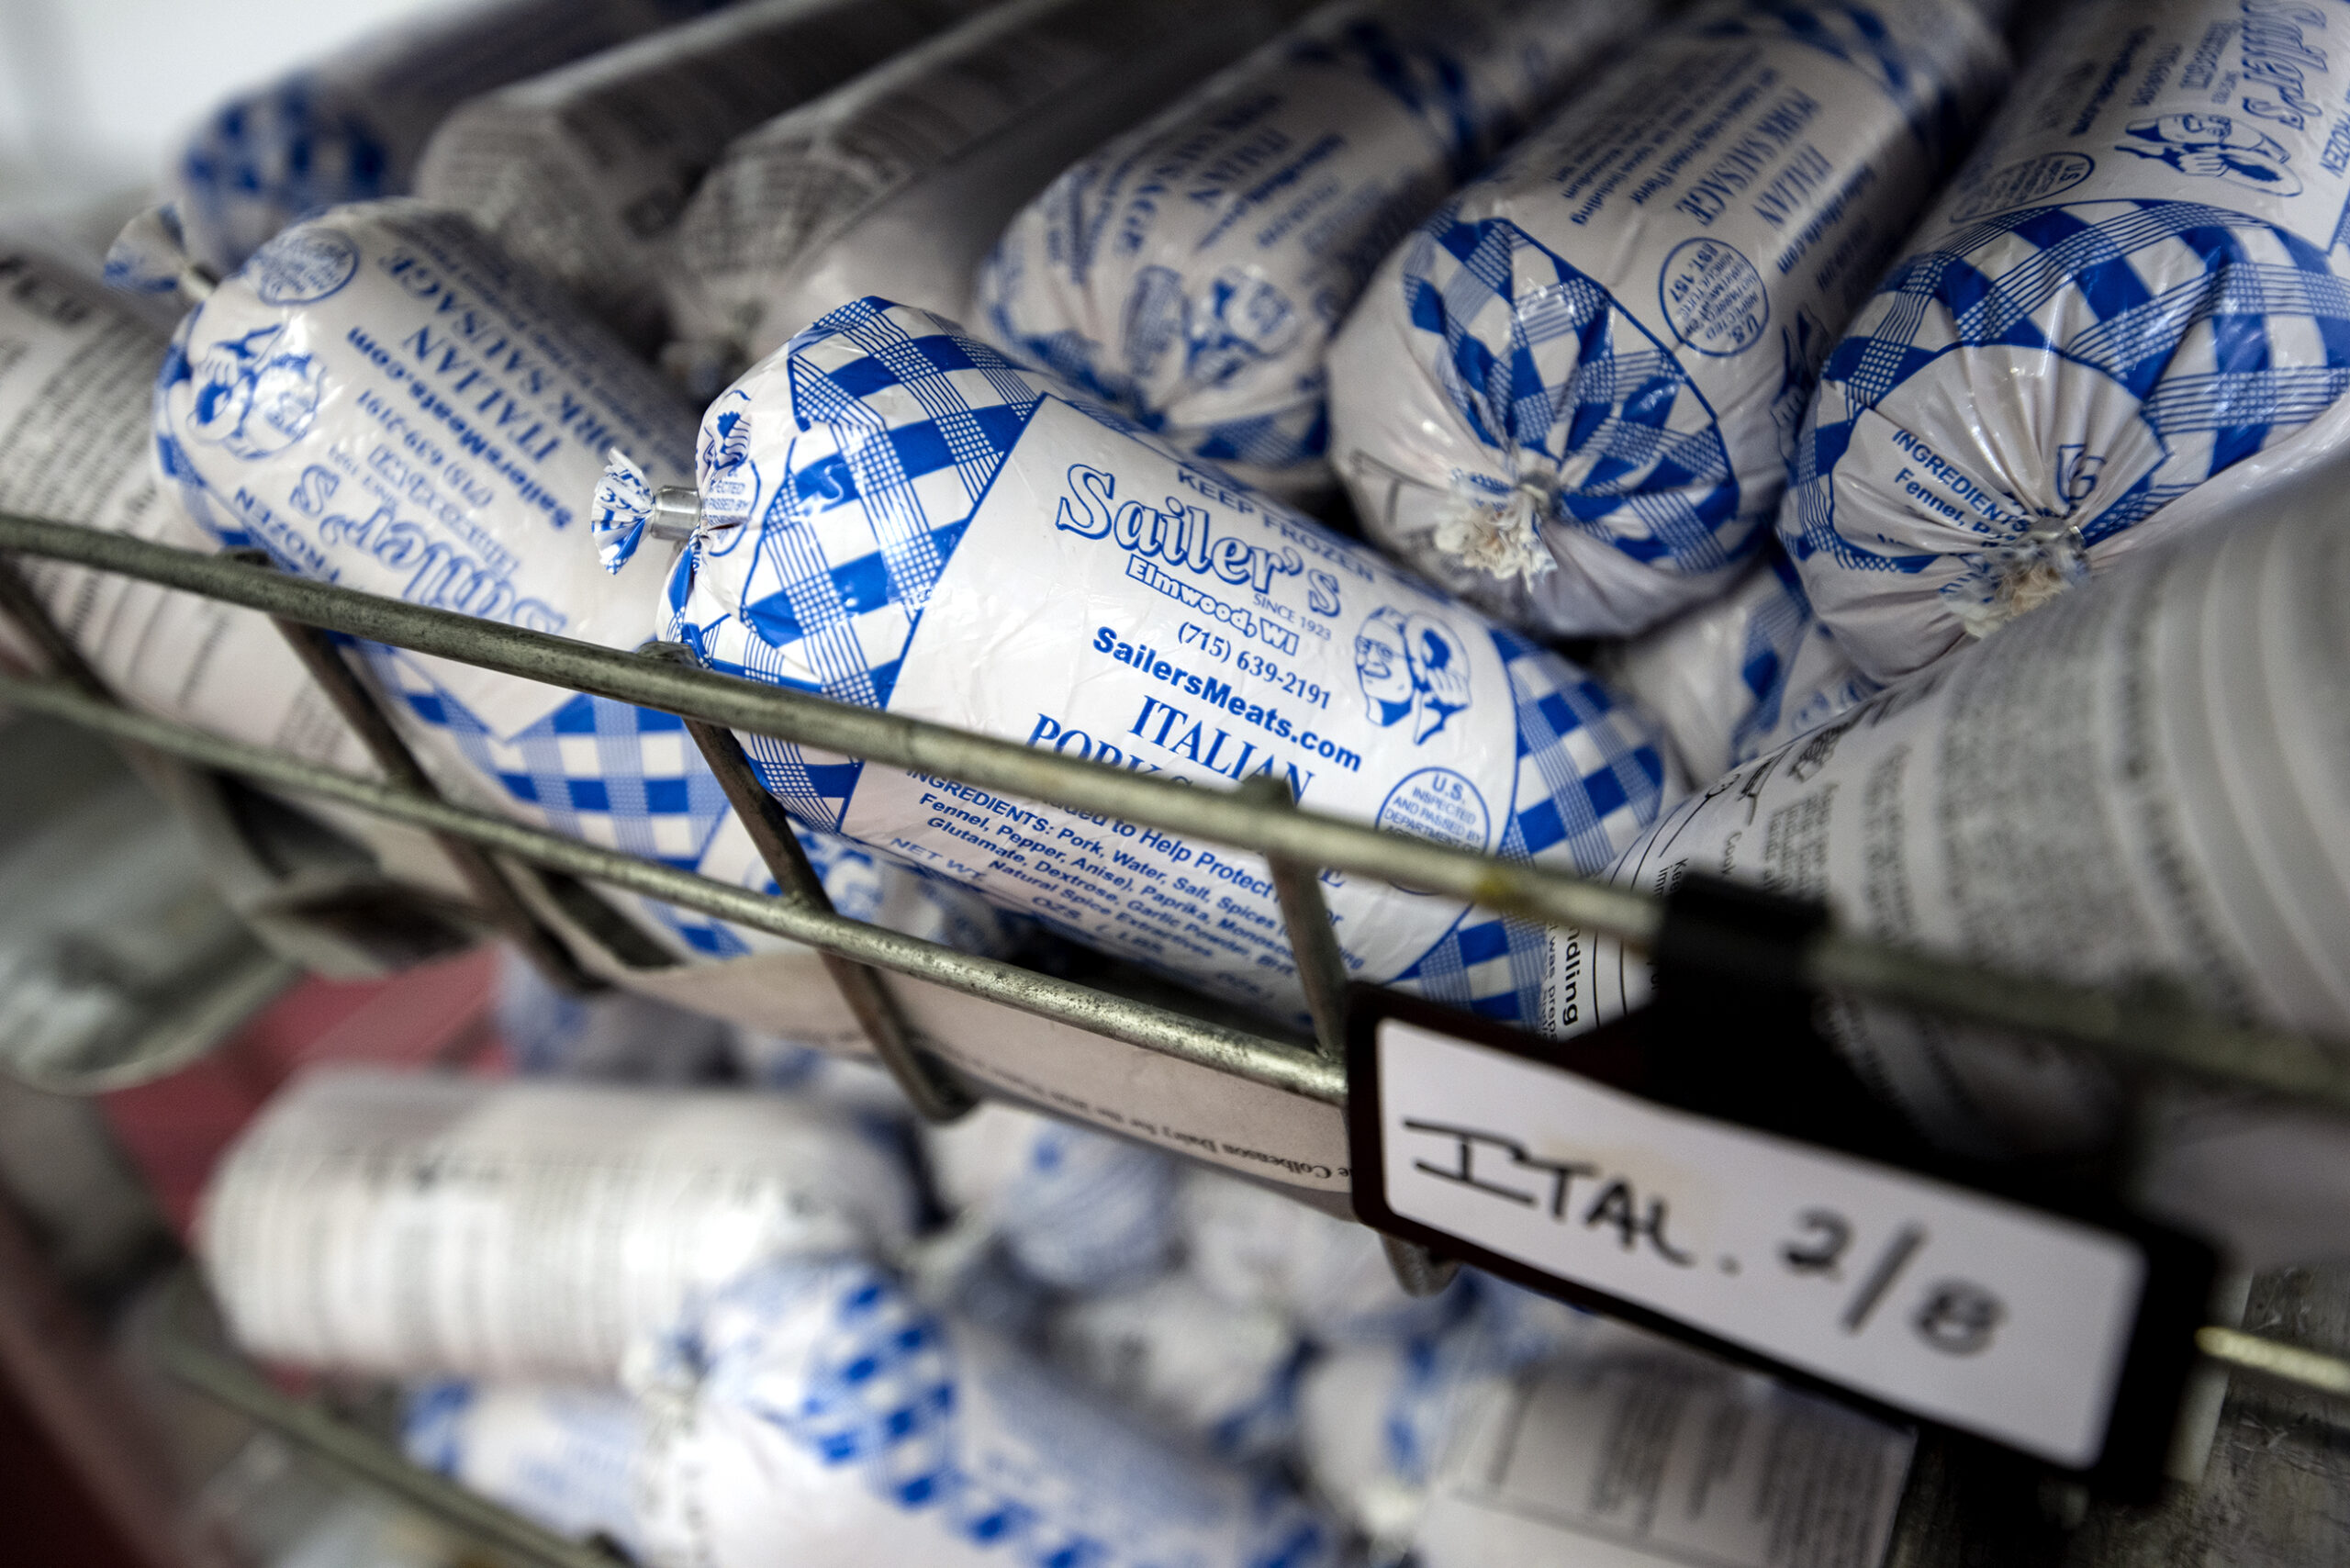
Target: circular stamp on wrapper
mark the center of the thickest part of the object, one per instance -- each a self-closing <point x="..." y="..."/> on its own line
<point x="303" y="266"/>
<point x="2026" y="183"/>
<point x="1713" y="298"/>
<point x="1437" y="803"/>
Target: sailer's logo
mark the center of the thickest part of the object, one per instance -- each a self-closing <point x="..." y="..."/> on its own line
<point x="1182" y="534"/>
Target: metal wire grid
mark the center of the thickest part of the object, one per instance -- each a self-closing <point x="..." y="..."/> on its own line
<point x="2148" y="1030"/>
<point x="2149" y="1027"/>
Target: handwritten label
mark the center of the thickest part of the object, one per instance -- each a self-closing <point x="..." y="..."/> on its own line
<point x="1959" y="1307"/>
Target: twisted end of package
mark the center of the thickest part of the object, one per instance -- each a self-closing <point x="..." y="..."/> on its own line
<point x="627" y="508"/>
<point x="151" y="257"/>
<point x="2025" y="575"/>
<point x="1502" y="538"/>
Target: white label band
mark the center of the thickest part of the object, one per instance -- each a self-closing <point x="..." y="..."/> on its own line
<point x="1967" y="1309"/>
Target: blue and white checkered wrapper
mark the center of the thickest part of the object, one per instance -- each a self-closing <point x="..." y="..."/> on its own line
<point x="555" y="1454"/>
<point x="816" y="1415"/>
<point x="1206" y="318"/>
<point x="2039" y="380"/>
<point x="383" y="399"/>
<point x="349" y="128"/>
<point x="1571" y="396"/>
<point x="1730" y="679"/>
<point x="1076" y="1209"/>
<point x="902" y="551"/>
<point x="632" y="779"/>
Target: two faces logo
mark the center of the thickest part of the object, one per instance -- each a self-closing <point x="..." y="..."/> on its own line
<point x="1237" y="321"/>
<point x="725" y="444"/>
<point x="1411" y="665"/>
<point x="2214" y="147"/>
<point x="730" y="480"/>
<point x="250" y="402"/>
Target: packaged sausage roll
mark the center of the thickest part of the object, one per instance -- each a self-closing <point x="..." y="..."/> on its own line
<point x="77" y="369"/>
<point x="2139" y="783"/>
<point x="411" y="1224"/>
<point x="382" y="398"/>
<point x="898" y="183"/>
<point x="1573" y="393"/>
<point x="2133" y="293"/>
<point x="815" y="1416"/>
<point x="1189" y="272"/>
<point x="583" y="173"/>
<point x="559" y="1454"/>
<point x="349" y="128"/>
<point x="76" y="374"/>
<point x="896" y="515"/>
<point x="1730" y="679"/>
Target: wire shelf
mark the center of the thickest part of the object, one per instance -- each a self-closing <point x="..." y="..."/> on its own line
<point x="2148" y="1030"/>
<point x="187" y="1356"/>
<point x="2148" y="1027"/>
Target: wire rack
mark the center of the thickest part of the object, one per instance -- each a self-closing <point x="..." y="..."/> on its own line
<point x="2145" y="1028"/>
<point x="2148" y="1031"/>
<point x="364" y="1457"/>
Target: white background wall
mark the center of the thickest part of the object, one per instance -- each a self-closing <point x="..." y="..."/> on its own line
<point x="95" y="93"/>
